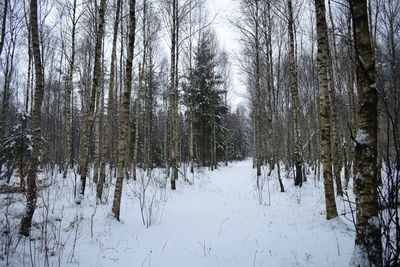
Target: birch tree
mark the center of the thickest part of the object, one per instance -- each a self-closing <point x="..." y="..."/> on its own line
<point x="322" y="59"/>
<point x="138" y="109"/>
<point x="174" y="96"/>
<point x="295" y="97"/>
<point x="110" y="107"/>
<point x="26" y="220"/>
<point x="90" y="111"/>
<point x="368" y="245"/>
<point x="3" y="25"/>
<point x="257" y="98"/>
<point x="68" y="92"/>
<point x="124" y="112"/>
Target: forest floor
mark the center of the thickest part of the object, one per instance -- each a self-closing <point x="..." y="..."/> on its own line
<point x="221" y="219"/>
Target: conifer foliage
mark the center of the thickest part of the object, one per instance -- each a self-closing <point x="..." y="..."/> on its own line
<point x="208" y="100"/>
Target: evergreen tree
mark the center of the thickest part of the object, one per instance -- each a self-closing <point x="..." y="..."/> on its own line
<point x="237" y="135"/>
<point x="15" y="150"/>
<point x="208" y="102"/>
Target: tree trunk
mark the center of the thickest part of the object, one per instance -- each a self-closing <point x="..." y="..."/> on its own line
<point x="276" y="111"/>
<point x="334" y="122"/>
<point x="124" y="112"/>
<point x="368" y="244"/>
<point x="148" y="162"/>
<point x="89" y="116"/>
<point x="68" y="92"/>
<point x="138" y="118"/>
<point x="6" y="95"/>
<point x="3" y="25"/>
<point x="110" y="108"/>
<point x="352" y="108"/>
<point x="191" y="96"/>
<point x="26" y="221"/>
<point x="272" y="113"/>
<point x="257" y="99"/>
<point x="98" y="122"/>
<point x="28" y="83"/>
<point x="138" y="110"/>
<point x="174" y="96"/>
<point x="166" y="146"/>
<point x="295" y="98"/>
<point x="323" y="82"/>
<point x="334" y="136"/>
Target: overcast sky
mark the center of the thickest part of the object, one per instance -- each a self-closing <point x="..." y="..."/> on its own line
<point x="228" y="40"/>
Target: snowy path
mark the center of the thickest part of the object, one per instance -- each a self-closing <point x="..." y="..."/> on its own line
<point x="218" y="222"/>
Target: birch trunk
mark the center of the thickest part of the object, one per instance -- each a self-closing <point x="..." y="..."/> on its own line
<point x="26" y="220"/>
<point x="8" y="71"/>
<point x="257" y="99"/>
<point x="3" y="25"/>
<point x="295" y="98"/>
<point x="333" y="66"/>
<point x="176" y="112"/>
<point x="110" y="107"/>
<point x="148" y="162"/>
<point x="89" y="116"/>
<point x="166" y="146"/>
<point x="271" y="93"/>
<point x="98" y="122"/>
<point x="334" y="132"/>
<point x="191" y="117"/>
<point x="68" y="92"/>
<point x="97" y="125"/>
<point x="138" y="110"/>
<point x="276" y="111"/>
<point x="368" y="244"/>
<point x="323" y="82"/>
<point x="124" y="113"/>
<point x="352" y="105"/>
<point x="138" y="118"/>
<point x="6" y="92"/>
<point x="174" y="96"/>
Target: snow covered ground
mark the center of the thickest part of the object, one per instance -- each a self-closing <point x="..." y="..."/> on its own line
<point x="220" y="220"/>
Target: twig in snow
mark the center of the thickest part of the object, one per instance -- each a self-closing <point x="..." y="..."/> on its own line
<point x="165" y="244"/>
<point x="254" y="259"/>
<point x="336" y="238"/>
<point x="220" y="226"/>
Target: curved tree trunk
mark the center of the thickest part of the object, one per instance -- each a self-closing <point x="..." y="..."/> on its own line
<point x="26" y="221"/>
